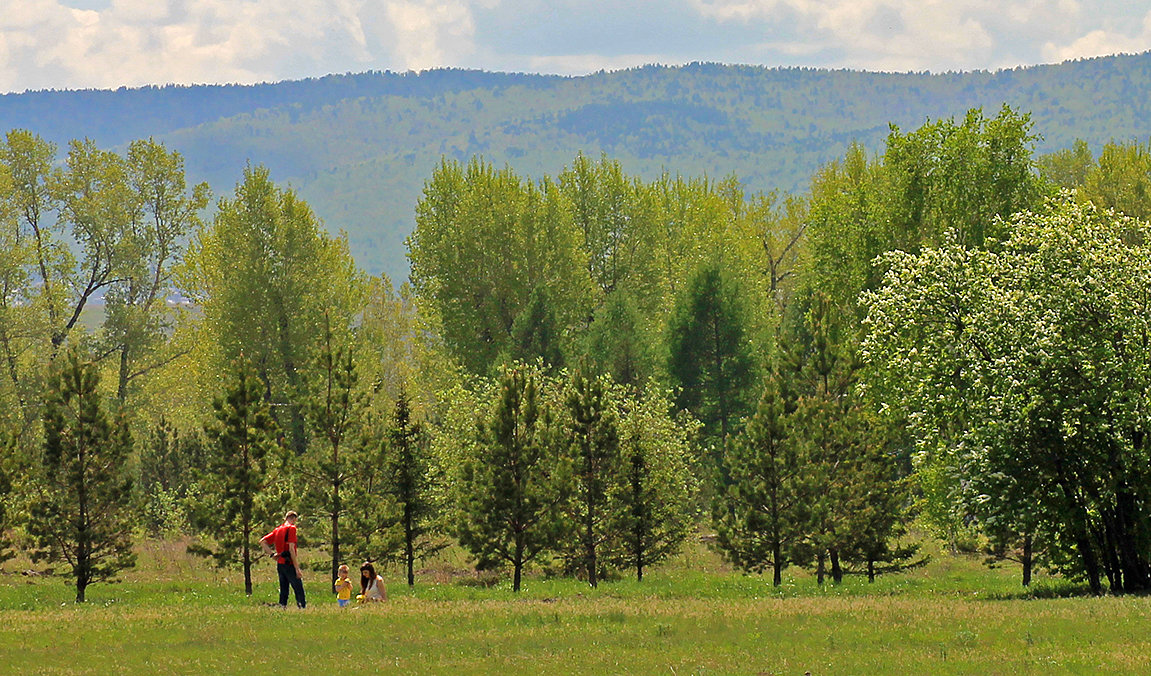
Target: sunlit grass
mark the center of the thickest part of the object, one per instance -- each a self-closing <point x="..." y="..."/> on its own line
<point x="692" y="615"/>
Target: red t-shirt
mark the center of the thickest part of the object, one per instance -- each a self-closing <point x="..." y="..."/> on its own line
<point x="281" y="538"/>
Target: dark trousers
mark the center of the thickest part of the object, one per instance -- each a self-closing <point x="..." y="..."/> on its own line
<point x="288" y="577"/>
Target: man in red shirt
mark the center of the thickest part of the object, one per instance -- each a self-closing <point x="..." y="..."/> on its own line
<point x="281" y="545"/>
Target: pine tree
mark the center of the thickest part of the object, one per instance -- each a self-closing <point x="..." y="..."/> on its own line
<point x="411" y="483"/>
<point x="757" y="515"/>
<point x="877" y="514"/>
<point x="242" y="441"/>
<point x="593" y="439"/>
<point x="534" y="334"/>
<point x="853" y="503"/>
<point x="710" y="357"/>
<point x="81" y="513"/>
<point x="653" y="496"/>
<point x="168" y="460"/>
<point x="509" y="495"/>
<point x="334" y="414"/>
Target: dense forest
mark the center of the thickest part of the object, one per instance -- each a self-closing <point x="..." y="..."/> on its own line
<point x="590" y="365"/>
<point x="358" y="147"/>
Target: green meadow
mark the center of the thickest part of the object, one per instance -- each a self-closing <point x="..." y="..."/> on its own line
<point x="174" y="614"/>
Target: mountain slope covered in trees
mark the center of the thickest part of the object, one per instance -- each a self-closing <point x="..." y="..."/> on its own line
<point x="359" y="147"/>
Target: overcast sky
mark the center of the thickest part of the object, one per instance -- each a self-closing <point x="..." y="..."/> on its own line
<point x="110" y="43"/>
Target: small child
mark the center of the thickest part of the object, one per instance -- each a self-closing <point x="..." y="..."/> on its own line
<point x="343" y="588"/>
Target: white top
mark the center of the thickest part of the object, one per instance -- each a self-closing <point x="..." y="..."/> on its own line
<point x="375" y="590"/>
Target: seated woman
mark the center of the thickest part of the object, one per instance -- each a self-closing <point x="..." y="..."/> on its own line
<point x="371" y="585"/>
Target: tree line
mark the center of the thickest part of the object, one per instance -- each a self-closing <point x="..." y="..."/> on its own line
<point x="586" y="367"/>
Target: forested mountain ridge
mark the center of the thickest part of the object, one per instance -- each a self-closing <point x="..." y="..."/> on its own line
<point x="359" y="147"/>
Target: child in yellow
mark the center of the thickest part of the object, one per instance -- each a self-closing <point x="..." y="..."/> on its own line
<point x="343" y="588"/>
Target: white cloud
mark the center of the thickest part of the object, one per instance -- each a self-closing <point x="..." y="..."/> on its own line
<point x="44" y="43"/>
<point x="429" y="34"/>
<point x="924" y="34"/>
<point x="1102" y="42"/>
<point x="110" y="43"/>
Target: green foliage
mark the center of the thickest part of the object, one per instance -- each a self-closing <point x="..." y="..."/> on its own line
<point x="710" y="358"/>
<point x="1121" y="180"/>
<point x="844" y="227"/>
<point x="265" y="277"/>
<point x="81" y="513"/>
<point x="616" y="344"/>
<point x="1067" y="168"/>
<point x="593" y="441"/>
<point x="534" y="334"/>
<point x="950" y="180"/>
<point x="758" y="515"/>
<point x="1026" y="364"/>
<point x="161" y="212"/>
<point x="244" y="442"/>
<point x="169" y="462"/>
<point x="653" y="495"/>
<point x="510" y="491"/>
<point x="411" y="476"/>
<point x="495" y="258"/>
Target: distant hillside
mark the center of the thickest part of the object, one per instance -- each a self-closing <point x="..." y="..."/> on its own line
<point x="358" y="147"/>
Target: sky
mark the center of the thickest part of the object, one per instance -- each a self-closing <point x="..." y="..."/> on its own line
<point x="70" y="44"/>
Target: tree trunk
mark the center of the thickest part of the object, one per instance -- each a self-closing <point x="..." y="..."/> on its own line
<point x="247" y="558"/>
<point x="335" y="536"/>
<point x="776" y="564"/>
<point x="1090" y="563"/>
<point x="517" y="565"/>
<point x="870" y="570"/>
<point x="122" y="386"/>
<point x="1079" y="534"/>
<point x="1133" y="562"/>
<point x="409" y="544"/>
<point x="1027" y="559"/>
<point x="836" y="570"/>
<point x="819" y="569"/>
<point x="83" y="537"/>
<point x="591" y="553"/>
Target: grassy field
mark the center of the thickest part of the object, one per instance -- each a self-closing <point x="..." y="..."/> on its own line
<point x="691" y="616"/>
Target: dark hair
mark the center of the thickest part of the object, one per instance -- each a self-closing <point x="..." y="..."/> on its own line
<point x="371" y="571"/>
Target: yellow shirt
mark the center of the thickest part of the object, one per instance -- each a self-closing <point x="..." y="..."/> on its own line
<point x="343" y="589"/>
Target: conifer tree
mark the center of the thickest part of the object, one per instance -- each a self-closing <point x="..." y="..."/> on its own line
<point x="853" y="503"/>
<point x="653" y="495"/>
<point x="241" y="442"/>
<point x="877" y="515"/>
<point x="757" y="515"/>
<point x="710" y="356"/>
<point x="411" y="474"/>
<point x="81" y="513"/>
<point x="534" y="334"/>
<point x="593" y="439"/>
<point x="509" y="494"/>
<point x="168" y="461"/>
<point x="334" y="413"/>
